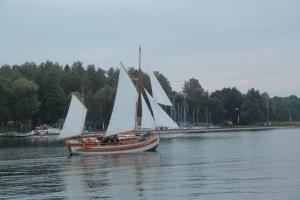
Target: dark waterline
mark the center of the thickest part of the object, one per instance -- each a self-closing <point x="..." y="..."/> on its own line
<point x="245" y="165"/>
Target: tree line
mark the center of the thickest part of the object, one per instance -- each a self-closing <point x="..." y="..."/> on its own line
<point x="33" y="94"/>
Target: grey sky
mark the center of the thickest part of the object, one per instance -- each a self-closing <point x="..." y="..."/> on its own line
<point x="254" y="43"/>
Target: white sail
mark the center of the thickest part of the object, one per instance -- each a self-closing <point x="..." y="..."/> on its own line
<point x="147" y="118"/>
<point x="161" y="118"/>
<point x="158" y="92"/>
<point x="123" y="115"/>
<point x="75" y="119"/>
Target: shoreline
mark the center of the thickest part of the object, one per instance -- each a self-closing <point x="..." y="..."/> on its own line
<point x="188" y="130"/>
<point x="215" y="130"/>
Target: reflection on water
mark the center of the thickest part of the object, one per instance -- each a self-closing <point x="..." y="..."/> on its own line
<point x="115" y="176"/>
<point x="248" y="165"/>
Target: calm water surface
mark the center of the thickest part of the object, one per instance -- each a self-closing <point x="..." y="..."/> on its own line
<point x="245" y="165"/>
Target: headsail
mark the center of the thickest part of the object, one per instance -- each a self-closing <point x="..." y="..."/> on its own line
<point x="147" y="118"/>
<point x="158" y="93"/>
<point x="75" y="119"/>
<point x="123" y="115"/>
<point x="161" y="118"/>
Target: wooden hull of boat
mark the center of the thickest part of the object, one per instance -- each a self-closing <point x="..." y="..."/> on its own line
<point x="143" y="146"/>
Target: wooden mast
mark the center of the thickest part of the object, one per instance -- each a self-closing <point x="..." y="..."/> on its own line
<point x="82" y="100"/>
<point x="139" y="88"/>
<point x="138" y="83"/>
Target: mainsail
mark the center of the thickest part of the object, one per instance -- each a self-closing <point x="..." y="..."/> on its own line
<point x="161" y="118"/>
<point x="124" y="111"/>
<point x="75" y="119"/>
<point x="147" y="118"/>
<point x="158" y="93"/>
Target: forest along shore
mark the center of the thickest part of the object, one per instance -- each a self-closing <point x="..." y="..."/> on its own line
<point x="46" y="90"/>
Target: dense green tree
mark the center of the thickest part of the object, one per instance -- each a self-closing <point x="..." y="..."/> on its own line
<point x="52" y="98"/>
<point x="279" y="110"/>
<point x="5" y="94"/>
<point x="92" y="103"/>
<point x="67" y="68"/>
<point x="253" y="108"/>
<point x="293" y="106"/>
<point x="193" y="88"/>
<point x="178" y="101"/>
<point x="105" y="98"/>
<point x="216" y="110"/>
<point x="24" y="100"/>
<point x="10" y="73"/>
<point x="112" y="77"/>
<point x="74" y="79"/>
<point x="232" y="100"/>
<point x="95" y="78"/>
<point x="197" y="100"/>
<point x="29" y="70"/>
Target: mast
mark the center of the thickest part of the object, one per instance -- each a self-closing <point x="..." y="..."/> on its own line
<point x="82" y="100"/>
<point x="139" y="89"/>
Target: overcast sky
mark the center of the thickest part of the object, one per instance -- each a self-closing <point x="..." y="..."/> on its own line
<point x="222" y="43"/>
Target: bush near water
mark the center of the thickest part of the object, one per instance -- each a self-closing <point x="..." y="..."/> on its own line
<point x="33" y="94"/>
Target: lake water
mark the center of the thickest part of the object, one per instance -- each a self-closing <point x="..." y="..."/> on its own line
<point x="244" y="165"/>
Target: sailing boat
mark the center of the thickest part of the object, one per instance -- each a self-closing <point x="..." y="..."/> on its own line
<point x="162" y="119"/>
<point x="124" y="133"/>
<point x="74" y="122"/>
